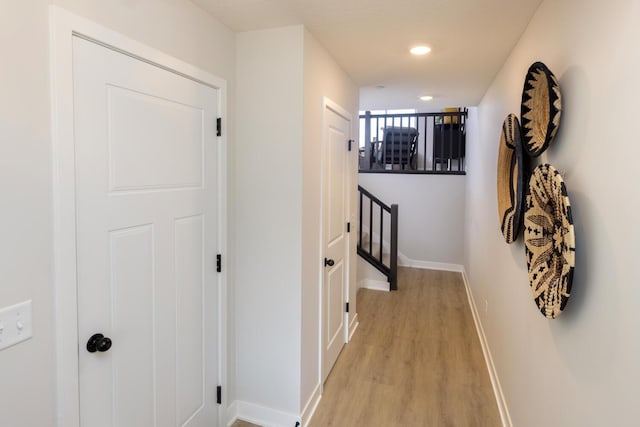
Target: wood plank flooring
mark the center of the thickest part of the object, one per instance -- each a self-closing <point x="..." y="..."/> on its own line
<point x="414" y="361"/>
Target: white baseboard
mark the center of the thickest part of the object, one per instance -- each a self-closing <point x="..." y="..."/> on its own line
<point x="312" y="405"/>
<point x="232" y="414"/>
<point x="260" y="415"/>
<point x="493" y="374"/>
<point x="404" y="261"/>
<point x="353" y="326"/>
<point x="376" y="285"/>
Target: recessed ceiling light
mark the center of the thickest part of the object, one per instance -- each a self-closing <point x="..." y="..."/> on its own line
<point x="426" y="97"/>
<point x="420" y="50"/>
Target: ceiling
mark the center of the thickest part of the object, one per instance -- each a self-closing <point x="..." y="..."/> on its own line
<point x="370" y="39"/>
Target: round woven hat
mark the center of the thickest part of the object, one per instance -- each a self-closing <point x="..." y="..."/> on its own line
<point x="540" y="110"/>
<point x="510" y="179"/>
<point x="549" y="240"/>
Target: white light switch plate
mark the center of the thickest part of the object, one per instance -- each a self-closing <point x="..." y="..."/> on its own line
<point x="15" y="324"/>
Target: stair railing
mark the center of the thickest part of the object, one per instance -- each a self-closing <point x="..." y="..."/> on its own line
<point x="374" y="214"/>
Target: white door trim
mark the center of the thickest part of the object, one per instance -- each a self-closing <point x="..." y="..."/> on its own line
<point x="63" y="26"/>
<point x="331" y="105"/>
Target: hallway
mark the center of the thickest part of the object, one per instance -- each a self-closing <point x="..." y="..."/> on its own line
<point x="415" y="360"/>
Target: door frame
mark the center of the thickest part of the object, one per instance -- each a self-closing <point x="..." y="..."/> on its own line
<point x="63" y="26"/>
<point x="328" y="104"/>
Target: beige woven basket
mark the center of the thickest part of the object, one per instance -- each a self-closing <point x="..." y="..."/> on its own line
<point x="510" y="182"/>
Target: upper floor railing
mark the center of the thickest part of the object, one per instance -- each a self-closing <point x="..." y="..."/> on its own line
<point x="413" y="143"/>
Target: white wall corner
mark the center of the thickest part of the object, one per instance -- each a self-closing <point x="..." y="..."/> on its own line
<point x="264" y="416"/>
<point x="231" y="414"/>
<point x="311" y="405"/>
<point x="493" y="374"/>
<point x="404" y="261"/>
<point x="353" y="325"/>
<point x="374" y="285"/>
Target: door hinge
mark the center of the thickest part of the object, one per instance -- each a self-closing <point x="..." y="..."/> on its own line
<point x="347" y="307"/>
<point x="219" y="126"/>
<point x="349" y="144"/>
<point x="348" y="227"/>
<point x="219" y="395"/>
<point x="219" y="263"/>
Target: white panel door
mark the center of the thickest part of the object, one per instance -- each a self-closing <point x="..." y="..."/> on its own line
<point x="147" y="226"/>
<point x="335" y="217"/>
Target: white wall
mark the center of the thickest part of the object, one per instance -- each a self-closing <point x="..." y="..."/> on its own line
<point x="582" y="368"/>
<point x="173" y="26"/>
<point x="322" y="78"/>
<point x="370" y="277"/>
<point x="25" y="178"/>
<point x="282" y="76"/>
<point x="269" y="216"/>
<point x="431" y="213"/>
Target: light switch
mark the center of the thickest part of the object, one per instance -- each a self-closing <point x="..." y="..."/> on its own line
<point x="15" y="324"/>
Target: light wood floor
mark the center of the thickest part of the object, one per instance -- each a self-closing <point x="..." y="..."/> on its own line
<point x="414" y="361"/>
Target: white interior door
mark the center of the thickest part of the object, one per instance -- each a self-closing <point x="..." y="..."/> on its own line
<point x="335" y="217"/>
<point x="147" y="226"/>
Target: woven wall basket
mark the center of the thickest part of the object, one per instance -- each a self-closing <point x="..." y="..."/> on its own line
<point x="549" y="240"/>
<point x="540" y="110"/>
<point x="510" y="183"/>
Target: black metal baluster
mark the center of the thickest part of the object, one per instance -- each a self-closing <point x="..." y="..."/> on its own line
<point x="393" y="262"/>
<point x="424" y="154"/>
<point x="450" y="157"/>
<point x="379" y="144"/>
<point x="426" y="132"/>
<point x="403" y="147"/>
<point x="360" y="223"/>
<point x="437" y="140"/>
<point x="393" y="142"/>
<point x="381" y="223"/>
<point x="383" y="144"/>
<point x="370" y="225"/>
<point x="463" y="137"/>
<point x="459" y="152"/>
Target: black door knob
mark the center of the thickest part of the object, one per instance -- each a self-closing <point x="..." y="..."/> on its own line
<point x="328" y="262"/>
<point x="98" y="342"/>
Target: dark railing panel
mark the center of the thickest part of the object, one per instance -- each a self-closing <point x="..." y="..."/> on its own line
<point x="393" y="280"/>
<point x="413" y="143"/>
<point x="376" y="254"/>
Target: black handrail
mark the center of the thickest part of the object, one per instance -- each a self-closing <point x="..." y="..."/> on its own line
<point x="374" y="198"/>
<point x="424" y="143"/>
<point x="366" y="251"/>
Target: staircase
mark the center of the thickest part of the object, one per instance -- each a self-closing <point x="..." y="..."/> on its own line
<point x="378" y="235"/>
